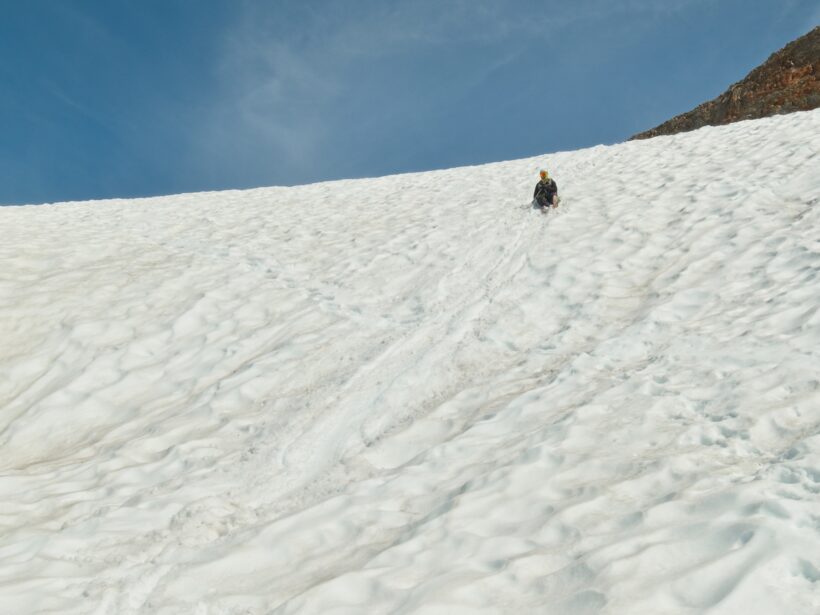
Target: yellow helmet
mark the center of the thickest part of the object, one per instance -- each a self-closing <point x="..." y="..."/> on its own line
<point x="543" y="173"/>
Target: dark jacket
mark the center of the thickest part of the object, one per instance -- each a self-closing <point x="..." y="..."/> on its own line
<point x="545" y="190"/>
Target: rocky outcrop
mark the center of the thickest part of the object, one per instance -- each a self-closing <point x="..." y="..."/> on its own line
<point x="788" y="81"/>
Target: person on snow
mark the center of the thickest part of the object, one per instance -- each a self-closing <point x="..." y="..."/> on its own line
<point x="546" y="191"/>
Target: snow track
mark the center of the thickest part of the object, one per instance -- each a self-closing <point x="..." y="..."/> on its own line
<point x="412" y="395"/>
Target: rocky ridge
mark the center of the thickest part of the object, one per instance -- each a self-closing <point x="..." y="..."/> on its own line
<point x="786" y="82"/>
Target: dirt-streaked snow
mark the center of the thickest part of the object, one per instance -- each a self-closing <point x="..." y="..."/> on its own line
<point x="413" y="394"/>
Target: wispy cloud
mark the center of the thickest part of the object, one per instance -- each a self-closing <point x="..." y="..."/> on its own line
<point x="286" y="66"/>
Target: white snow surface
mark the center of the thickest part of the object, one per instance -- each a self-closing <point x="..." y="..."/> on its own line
<point x="415" y="394"/>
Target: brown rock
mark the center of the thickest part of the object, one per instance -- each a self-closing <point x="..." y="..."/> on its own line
<point x="788" y="81"/>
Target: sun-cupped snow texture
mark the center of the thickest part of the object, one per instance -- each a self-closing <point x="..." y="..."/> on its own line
<point x="415" y="394"/>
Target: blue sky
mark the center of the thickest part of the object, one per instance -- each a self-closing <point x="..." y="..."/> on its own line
<point x="123" y="98"/>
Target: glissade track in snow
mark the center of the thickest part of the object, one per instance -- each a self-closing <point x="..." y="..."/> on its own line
<point x="413" y="395"/>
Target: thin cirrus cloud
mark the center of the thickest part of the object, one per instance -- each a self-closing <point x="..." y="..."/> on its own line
<point x="332" y="83"/>
<point x="120" y="99"/>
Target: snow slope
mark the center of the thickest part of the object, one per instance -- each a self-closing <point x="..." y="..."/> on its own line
<point x="413" y="394"/>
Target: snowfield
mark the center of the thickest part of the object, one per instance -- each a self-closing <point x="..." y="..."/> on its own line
<point x="415" y="394"/>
